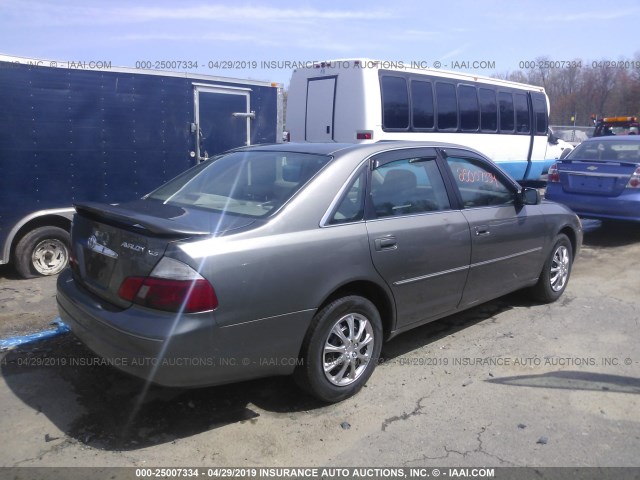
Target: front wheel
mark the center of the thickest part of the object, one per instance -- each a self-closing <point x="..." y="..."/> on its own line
<point x="341" y="349"/>
<point x="556" y="271"/>
<point x="41" y="252"/>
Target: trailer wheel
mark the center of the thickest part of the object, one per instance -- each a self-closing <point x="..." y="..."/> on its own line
<point x="41" y="252"/>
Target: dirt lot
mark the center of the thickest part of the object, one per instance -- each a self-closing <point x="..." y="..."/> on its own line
<point x="563" y="390"/>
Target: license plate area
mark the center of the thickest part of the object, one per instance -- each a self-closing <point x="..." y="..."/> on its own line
<point x="591" y="184"/>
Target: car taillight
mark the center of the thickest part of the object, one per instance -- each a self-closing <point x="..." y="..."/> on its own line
<point x="634" y="181"/>
<point x="552" y="175"/>
<point x="73" y="261"/>
<point x="172" y="286"/>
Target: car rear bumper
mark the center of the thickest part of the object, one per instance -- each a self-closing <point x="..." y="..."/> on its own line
<point x="625" y="206"/>
<point x="183" y="351"/>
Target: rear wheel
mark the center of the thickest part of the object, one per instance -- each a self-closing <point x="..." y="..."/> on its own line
<point x="41" y="252"/>
<point x="341" y="349"/>
<point x="556" y="271"/>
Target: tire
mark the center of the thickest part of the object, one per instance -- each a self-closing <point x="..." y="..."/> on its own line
<point x="347" y="314"/>
<point x="555" y="273"/>
<point x="42" y="252"/>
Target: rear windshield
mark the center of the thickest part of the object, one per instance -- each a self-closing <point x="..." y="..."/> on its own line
<point x="252" y="184"/>
<point x="607" y="150"/>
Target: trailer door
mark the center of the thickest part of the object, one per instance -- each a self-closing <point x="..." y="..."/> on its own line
<point x="222" y="119"/>
<point x="321" y="96"/>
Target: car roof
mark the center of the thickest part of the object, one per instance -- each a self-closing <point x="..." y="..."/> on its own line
<point x="331" y="148"/>
<point x="614" y="138"/>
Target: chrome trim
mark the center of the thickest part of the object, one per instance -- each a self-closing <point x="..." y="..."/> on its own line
<point x="507" y="257"/>
<point x="595" y="174"/>
<point x="268" y="318"/>
<point x="466" y="267"/>
<point x="431" y="275"/>
<point x="92" y="244"/>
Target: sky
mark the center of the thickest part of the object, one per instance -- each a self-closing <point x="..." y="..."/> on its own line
<point x="261" y="40"/>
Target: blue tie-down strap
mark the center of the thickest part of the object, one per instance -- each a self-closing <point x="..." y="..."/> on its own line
<point x="12" y="342"/>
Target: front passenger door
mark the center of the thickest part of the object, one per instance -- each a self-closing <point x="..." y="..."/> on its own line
<point x="506" y="244"/>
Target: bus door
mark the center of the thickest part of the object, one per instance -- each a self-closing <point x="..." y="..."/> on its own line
<point x="222" y="119"/>
<point x="321" y="96"/>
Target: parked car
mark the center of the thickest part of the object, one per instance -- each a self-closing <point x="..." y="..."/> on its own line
<point x="303" y="258"/>
<point x="600" y="178"/>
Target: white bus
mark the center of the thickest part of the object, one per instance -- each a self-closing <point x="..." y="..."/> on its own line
<point x="369" y="100"/>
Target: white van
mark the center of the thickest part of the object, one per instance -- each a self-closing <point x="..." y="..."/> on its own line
<point x="369" y="100"/>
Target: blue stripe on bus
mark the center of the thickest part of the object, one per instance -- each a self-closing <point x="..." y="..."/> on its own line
<point x="517" y="168"/>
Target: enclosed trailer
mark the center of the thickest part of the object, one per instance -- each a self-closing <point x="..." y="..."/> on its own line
<point x="72" y="132"/>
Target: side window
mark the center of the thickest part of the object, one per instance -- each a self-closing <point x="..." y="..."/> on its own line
<point x="522" y="113"/>
<point x="422" y="104"/>
<point x="408" y="186"/>
<point x="447" y="106"/>
<point x="488" y="110"/>
<point x="478" y="185"/>
<point x="351" y="206"/>
<point x="506" y="112"/>
<point x="468" y="106"/>
<point x="395" y="102"/>
<point x="540" y="113"/>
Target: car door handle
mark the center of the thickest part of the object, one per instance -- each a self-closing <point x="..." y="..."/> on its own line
<point x="386" y="243"/>
<point x="482" y="230"/>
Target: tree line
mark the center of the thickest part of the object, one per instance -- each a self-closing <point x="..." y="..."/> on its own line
<point x="585" y="89"/>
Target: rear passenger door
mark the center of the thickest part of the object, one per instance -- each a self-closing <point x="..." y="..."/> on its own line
<point x="418" y="243"/>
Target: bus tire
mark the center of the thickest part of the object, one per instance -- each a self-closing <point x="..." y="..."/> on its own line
<point x="42" y="252"/>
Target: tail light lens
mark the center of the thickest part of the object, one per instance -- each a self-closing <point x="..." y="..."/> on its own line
<point x="634" y="181"/>
<point x="552" y="175"/>
<point x="172" y="286"/>
<point x="73" y="261"/>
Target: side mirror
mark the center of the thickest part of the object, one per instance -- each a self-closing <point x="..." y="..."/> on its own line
<point x="565" y="153"/>
<point x="528" y="196"/>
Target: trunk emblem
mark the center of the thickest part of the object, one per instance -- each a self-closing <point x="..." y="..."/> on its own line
<point x="93" y="245"/>
<point x="592" y="168"/>
<point x="132" y="246"/>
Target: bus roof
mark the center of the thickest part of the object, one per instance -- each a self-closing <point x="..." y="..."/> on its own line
<point x="366" y="63"/>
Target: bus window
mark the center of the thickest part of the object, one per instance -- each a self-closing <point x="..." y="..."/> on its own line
<point x="522" y="113"/>
<point x="468" y="106"/>
<point x="488" y="110"/>
<point x="395" y="102"/>
<point x="540" y="113"/>
<point x="506" y="112"/>
<point x="422" y="104"/>
<point x="447" y="106"/>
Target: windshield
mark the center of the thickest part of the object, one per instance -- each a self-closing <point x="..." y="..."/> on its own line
<point x="253" y="183"/>
<point x="607" y="150"/>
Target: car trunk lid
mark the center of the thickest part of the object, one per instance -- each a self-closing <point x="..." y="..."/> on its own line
<point x="595" y="177"/>
<point x="111" y="243"/>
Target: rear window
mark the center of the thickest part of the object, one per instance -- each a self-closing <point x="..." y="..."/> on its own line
<point x="253" y="184"/>
<point x="607" y="150"/>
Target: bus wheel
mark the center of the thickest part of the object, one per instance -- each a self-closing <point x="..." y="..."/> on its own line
<point x="41" y="252"/>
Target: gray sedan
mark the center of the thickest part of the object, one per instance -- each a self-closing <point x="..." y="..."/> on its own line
<point x="303" y="258"/>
